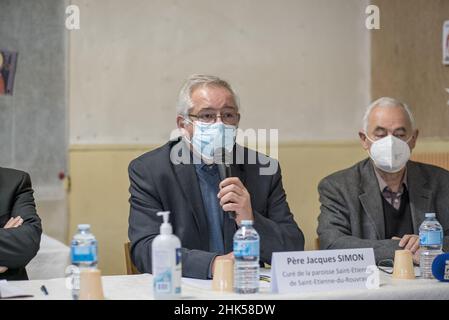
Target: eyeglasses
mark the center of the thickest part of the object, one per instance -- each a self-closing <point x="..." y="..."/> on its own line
<point x="209" y="116"/>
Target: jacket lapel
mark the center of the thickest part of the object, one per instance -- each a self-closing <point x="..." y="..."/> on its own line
<point x="420" y="194"/>
<point x="370" y="198"/>
<point x="187" y="180"/>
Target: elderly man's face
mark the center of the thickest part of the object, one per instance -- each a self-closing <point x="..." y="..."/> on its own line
<point x="389" y="121"/>
<point x="209" y="101"/>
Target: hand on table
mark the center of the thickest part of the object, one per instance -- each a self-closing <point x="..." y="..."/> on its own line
<point x="409" y="242"/>
<point x="12" y="223"/>
<point x="234" y="197"/>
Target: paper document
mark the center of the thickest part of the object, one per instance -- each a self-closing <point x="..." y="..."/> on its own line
<point x="9" y="291"/>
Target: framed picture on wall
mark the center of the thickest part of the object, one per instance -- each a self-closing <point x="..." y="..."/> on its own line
<point x="8" y="64"/>
<point x="446" y="43"/>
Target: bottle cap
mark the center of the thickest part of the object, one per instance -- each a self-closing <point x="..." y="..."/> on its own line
<point x="84" y="226"/>
<point x="246" y="223"/>
<point x="430" y="215"/>
<point x="166" y="227"/>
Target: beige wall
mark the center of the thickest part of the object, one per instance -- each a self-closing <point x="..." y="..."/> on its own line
<point x="99" y="187"/>
<point x="301" y="66"/>
<point x="407" y="60"/>
<point x="99" y="196"/>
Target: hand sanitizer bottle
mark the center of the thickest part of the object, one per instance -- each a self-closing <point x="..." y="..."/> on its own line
<point x="166" y="262"/>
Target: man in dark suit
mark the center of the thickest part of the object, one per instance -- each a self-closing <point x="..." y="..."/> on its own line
<point x="21" y="229"/>
<point x="182" y="177"/>
<point x="381" y="202"/>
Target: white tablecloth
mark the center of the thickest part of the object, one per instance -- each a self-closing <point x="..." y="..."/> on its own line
<point x="51" y="260"/>
<point x="139" y="287"/>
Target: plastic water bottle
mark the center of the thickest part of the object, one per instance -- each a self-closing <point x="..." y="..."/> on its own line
<point x="83" y="255"/>
<point x="246" y="254"/>
<point x="431" y="244"/>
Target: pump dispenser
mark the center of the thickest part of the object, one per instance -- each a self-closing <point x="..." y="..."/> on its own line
<point x="166" y="261"/>
<point x="166" y="227"/>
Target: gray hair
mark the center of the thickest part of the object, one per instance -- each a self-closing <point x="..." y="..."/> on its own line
<point x="200" y="80"/>
<point x="386" y="102"/>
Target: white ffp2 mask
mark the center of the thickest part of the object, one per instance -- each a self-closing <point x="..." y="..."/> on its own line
<point x="390" y="154"/>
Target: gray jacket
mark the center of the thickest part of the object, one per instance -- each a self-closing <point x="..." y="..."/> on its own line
<point x="156" y="184"/>
<point x="352" y="212"/>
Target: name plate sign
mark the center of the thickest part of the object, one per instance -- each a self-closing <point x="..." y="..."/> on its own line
<point x="324" y="270"/>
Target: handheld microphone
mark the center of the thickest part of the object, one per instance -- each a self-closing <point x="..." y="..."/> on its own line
<point x="440" y="267"/>
<point x="224" y="169"/>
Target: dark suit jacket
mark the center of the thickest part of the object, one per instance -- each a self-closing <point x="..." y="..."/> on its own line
<point x="159" y="185"/>
<point x="18" y="245"/>
<point x="352" y="213"/>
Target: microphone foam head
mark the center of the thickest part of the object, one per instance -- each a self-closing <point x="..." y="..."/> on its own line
<point x="440" y="267"/>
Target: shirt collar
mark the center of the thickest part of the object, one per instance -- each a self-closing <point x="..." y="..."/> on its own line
<point x="383" y="184"/>
<point x="204" y="167"/>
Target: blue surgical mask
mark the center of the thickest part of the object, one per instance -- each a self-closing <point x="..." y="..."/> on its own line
<point x="209" y="137"/>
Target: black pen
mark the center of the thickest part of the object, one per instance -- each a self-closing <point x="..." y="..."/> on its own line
<point x="44" y="290"/>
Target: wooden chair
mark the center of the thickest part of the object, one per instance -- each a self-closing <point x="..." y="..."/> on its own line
<point x="130" y="267"/>
<point x="317" y="244"/>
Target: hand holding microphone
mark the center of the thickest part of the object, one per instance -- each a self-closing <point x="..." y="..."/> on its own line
<point x="233" y="196"/>
<point x="224" y="170"/>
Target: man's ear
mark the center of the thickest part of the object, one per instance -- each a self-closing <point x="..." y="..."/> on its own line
<point x="184" y="127"/>
<point x="180" y="122"/>
<point x="363" y="140"/>
<point x="412" y="142"/>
